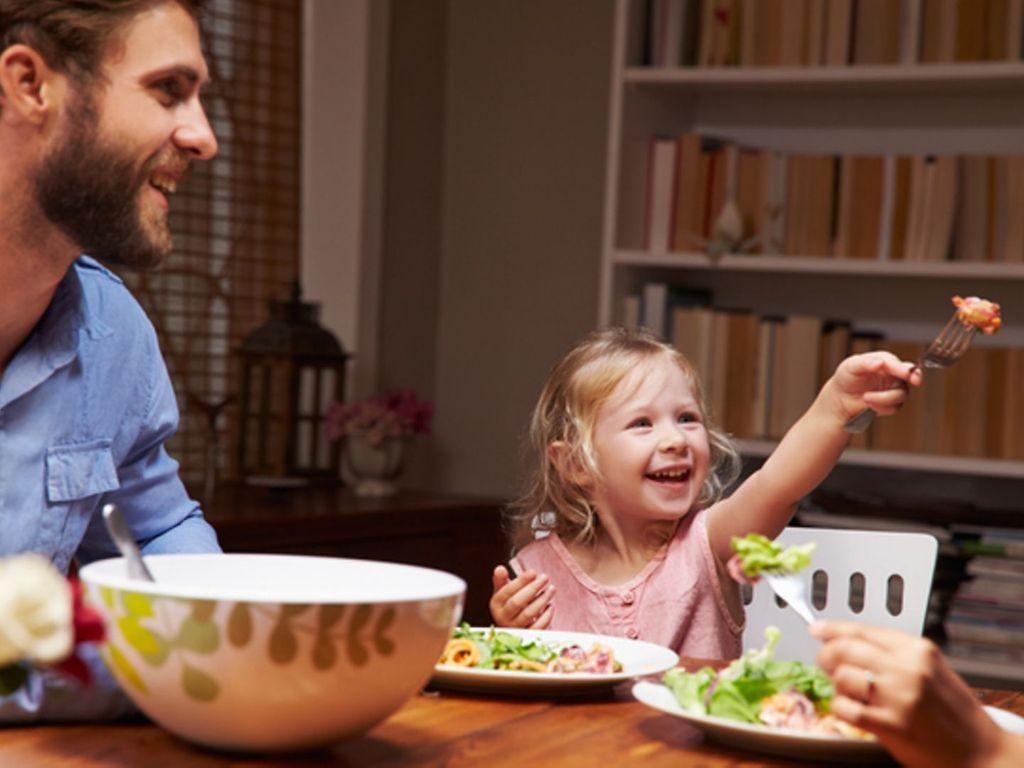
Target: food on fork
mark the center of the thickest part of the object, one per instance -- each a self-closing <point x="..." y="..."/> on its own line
<point x="979" y="313"/>
<point x="499" y="650"/>
<point x="756" y="554"/>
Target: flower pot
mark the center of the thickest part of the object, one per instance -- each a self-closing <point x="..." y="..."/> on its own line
<point x="374" y="467"/>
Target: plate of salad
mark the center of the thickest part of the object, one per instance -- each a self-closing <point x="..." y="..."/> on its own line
<point x="758" y="703"/>
<point x="531" y="661"/>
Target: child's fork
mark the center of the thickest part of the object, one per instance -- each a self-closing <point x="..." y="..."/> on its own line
<point x="790" y="587"/>
<point x="948" y="347"/>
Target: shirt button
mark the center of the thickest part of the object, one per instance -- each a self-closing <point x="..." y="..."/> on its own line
<point x="627" y="598"/>
<point x="632" y="633"/>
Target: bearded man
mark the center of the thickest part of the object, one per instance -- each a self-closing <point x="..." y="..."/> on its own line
<point x="100" y="117"/>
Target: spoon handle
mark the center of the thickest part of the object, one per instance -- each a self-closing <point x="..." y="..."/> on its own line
<point x="119" y="531"/>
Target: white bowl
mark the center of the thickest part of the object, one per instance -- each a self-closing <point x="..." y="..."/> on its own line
<point x="271" y="652"/>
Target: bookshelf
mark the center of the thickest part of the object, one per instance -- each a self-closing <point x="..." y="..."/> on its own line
<point x="966" y="109"/>
<point x="963" y="108"/>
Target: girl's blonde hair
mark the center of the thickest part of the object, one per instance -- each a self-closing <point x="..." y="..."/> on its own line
<point x="567" y="411"/>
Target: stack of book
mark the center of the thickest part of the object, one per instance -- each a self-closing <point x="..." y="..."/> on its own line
<point x="878" y="207"/>
<point x="985" y="622"/>
<point x="714" y="33"/>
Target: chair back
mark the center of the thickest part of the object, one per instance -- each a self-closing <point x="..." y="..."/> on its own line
<point x="874" y="577"/>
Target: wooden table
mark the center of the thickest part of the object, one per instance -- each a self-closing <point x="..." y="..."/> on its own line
<point x="432" y="729"/>
<point x="455" y="533"/>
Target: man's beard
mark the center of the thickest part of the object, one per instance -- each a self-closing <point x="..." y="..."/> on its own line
<point x="90" y="191"/>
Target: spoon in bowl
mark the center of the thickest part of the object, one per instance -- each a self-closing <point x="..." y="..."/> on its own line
<point x="119" y="531"/>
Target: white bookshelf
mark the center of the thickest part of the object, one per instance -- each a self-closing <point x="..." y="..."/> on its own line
<point x="968" y="108"/>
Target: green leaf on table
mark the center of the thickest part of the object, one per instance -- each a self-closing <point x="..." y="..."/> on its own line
<point x="198" y="685"/>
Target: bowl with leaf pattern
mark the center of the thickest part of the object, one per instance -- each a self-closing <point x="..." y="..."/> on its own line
<point x="271" y="652"/>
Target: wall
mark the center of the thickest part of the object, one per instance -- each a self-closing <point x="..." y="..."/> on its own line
<point x="344" y="90"/>
<point x="525" y="106"/>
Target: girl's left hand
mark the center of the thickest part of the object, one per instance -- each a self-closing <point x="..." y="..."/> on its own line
<point x="875" y="380"/>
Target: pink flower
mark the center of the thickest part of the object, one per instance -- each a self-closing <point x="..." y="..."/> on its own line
<point x="395" y="413"/>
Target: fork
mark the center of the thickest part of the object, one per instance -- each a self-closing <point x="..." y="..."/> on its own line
<point x="790" y="587"/>
<point x="948" y="347"/>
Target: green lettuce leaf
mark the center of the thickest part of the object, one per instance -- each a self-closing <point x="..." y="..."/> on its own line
<point x="759" y="553"/>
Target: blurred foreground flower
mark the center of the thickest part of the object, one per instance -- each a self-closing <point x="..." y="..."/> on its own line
<point x="42" y="620"/>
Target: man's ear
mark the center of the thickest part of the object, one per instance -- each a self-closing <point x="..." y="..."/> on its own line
<point x="568" y="466"/>
<point x="28" y="86"/>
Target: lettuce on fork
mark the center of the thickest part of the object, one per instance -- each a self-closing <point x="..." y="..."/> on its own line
<point x="758" y="553"/>
<point x="737" y="691"/>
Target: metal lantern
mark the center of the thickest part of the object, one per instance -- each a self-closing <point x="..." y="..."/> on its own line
<point x="292" y="369"/>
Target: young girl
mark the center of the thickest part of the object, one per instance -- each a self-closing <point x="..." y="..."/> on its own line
<point x="629" y="488"/>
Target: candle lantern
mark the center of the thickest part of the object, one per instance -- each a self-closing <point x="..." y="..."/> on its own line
<point x="292" y="369"/>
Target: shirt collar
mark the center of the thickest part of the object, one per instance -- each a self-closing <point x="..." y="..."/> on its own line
<point x="70" y="312"/>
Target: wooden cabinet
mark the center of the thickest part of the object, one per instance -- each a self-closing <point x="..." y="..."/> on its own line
<point x="458" y="534"/>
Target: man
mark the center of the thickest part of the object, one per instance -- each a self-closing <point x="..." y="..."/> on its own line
<point x="99" y="119"/>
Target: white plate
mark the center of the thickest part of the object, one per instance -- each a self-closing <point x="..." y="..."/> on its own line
<point x="637" y="658"/>
<point x="783" y="741"/>
<point x="776" y="741"/>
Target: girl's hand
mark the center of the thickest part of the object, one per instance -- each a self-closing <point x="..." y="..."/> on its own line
<point x="523" y="602"/>
<point x="901" y="689"/>
<point x="875" y="380"/>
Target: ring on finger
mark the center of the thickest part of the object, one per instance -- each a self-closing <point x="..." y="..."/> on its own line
<point x="869" y="679"/>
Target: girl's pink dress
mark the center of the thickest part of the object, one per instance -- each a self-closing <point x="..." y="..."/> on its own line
<point x="675" y="601"/>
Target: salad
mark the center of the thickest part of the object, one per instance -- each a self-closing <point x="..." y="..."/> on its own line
<point x="759" y="690"/>
<point x="494" y="649"/>
<point x="756" y="554"/>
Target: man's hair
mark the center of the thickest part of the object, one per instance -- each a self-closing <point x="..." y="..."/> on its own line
<point x="74" y="35"/>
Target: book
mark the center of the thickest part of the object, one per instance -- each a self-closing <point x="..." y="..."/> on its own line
<point x="877" y="30"/>
<point x="794" y="371"/>
<point x="654" y="308"/>
<point x="860" y="207"/>
<point x="838" y="20"/>
<point x="661" y="170"/>
<point x="741" y="383"/>
<point x="692" y="331"/>
<point x="691" y="193"/>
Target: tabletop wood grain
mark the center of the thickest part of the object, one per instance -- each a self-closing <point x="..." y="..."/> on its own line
<point x="434" y="728"/>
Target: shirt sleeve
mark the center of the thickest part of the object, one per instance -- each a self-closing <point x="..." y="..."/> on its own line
<point x="151" y="495"/>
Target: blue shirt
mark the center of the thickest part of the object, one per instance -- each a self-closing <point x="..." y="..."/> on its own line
<point x="85" y="408"/>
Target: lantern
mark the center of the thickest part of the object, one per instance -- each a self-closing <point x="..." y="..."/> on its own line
<point x="292" y="369"/>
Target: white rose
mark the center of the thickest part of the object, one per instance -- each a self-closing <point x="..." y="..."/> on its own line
<point x="35" y="611"/>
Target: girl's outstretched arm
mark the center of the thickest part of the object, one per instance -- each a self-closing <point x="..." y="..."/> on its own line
<point x="765" y="502"/>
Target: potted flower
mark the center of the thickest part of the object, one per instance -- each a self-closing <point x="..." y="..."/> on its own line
<point x="374" y="431"/>
<point x="42" y="621"/>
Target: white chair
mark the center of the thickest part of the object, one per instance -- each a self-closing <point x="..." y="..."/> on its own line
<point x="873" y="577"/>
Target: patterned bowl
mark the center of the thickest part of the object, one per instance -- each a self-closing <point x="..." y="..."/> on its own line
<point x="271" y="652"/>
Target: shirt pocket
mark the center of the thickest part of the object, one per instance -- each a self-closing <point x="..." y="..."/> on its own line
<point x="78" y="471"/>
